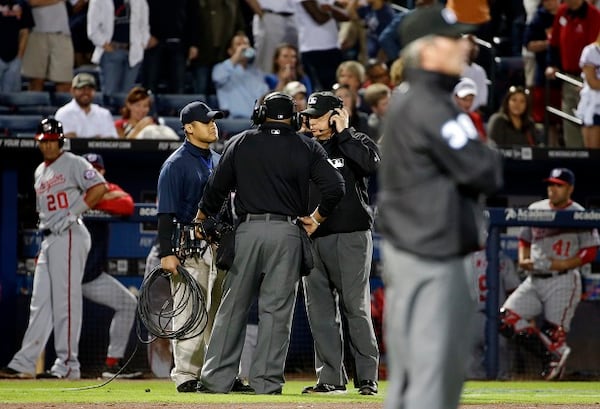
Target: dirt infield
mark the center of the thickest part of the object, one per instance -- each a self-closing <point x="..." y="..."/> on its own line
<point x="362" y="405"/>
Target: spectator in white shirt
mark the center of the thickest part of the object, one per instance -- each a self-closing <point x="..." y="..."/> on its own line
<point x="80" y="117"/>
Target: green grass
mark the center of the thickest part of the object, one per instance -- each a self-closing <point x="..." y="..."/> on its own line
<point x="535" y="392"/>
<point x="163" y="391"/>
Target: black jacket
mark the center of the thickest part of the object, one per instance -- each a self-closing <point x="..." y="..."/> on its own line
<point x="356" y="157"/>
<point x="270" y="169"/>
<point x="434" y="171"/>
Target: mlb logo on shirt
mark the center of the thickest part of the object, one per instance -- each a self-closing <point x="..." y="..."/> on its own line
<point x="337" y="162"/>
<point x="275" y="131"/>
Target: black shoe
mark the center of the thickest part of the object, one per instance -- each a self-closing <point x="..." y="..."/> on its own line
<point x="367" y="387"/>
<point x="9" y="373"/>
<point x="239" y="386"/>
<point x="325" y="389"/>
<point x="188" y="386"/>
<point x="203" y="389"/>
<point x="123" y="371"/>
<point x="48" y="375"/>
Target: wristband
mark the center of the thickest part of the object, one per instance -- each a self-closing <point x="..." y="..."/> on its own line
<point x="313" y="218"/>
<point x="79" y="206"/>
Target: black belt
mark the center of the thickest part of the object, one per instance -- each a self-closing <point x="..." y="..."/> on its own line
<point x="119" y="46"/>
<point x="269" y="217"/>
<point x="549" y="275"/>
<point x="46" y="232"/>
<point x="279" y="13"/>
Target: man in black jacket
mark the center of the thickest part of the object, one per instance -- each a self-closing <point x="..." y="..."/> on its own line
<point x="342" y="248"/>
<point x="270" y="169"/>
<point x="434" y="173"/>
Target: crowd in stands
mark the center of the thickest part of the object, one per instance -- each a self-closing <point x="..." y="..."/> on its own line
<point x="526" y="55"/>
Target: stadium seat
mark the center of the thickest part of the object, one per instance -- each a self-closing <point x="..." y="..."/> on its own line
<point x="174" y="123"/>
<point x="17" y="125"/>
<point x="231" y="126"/>
<point x="171" y="104"/>
<point x="27" y="103"/>
<point x="212" y="101"/>
<point x="114" y="103"/>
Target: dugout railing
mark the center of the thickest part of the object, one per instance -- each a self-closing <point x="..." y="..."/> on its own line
<point x="499" y="219"/>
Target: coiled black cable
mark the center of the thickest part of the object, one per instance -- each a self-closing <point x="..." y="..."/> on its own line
<point x="162" y="298"/>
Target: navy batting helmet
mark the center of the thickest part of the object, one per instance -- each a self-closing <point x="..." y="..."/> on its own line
<point x="50" y="129"/>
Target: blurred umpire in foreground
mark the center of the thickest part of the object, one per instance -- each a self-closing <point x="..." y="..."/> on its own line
<point x="270" y="169"/>
<point x="343" y="248"/>
<point x="434" y="174"/>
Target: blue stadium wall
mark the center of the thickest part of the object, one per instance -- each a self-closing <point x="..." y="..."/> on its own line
<point x="135" y="165"/>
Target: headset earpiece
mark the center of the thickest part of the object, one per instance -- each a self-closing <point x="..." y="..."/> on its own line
<point x="296" y="121"/>
<point x="259" y="113"/>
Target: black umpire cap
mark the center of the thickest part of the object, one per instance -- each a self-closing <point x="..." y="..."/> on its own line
<point x="432" y="20"/>
<point x="279" y="105"/>
<point x="319" y="103"/>
<point x="198" y="111"/>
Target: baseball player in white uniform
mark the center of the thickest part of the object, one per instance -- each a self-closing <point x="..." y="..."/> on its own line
<point x="552" y="258"/>
<point x="66" y="185"/>
<point x="509" y="281"/>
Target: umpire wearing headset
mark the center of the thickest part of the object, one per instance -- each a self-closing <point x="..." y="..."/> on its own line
<point x="270" y="194"/>
<point x="343" y="248"/>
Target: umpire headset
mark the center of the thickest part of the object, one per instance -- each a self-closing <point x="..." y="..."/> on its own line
<point x="50" y="129"/>
<point x="271" y="107"/>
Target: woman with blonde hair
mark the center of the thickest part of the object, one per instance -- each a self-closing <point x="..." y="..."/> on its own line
<point x="287" y="68"/>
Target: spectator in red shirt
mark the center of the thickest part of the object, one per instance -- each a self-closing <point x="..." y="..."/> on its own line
<point x="464" y="96"/>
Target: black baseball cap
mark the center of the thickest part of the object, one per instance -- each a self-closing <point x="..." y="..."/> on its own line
<point x="198" y="111"/>
<point x="561" y="176"/>
<point x="432" y="20"/>
<point x="319" y="103"/>
<point x="95" y="159"/>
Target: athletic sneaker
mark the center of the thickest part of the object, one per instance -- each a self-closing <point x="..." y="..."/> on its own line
<point x="49" y="375"/>
<point x="556" y="367"/>
<point x="123" y="372"/>
<point x="54" y="375"/>
<point x="9" y="373"/>
<point x="367" y="387"/>
<point x="325" y="388"/>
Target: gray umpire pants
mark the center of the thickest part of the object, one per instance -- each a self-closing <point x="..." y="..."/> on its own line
<point x="428" y="312"/>
<point x="267" y="262"/>
<point x="339" y="282"/>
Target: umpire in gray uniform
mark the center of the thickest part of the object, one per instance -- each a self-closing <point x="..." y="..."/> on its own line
<point x="343" y="249"/>
<point x="434" y="173"/>
<point x="270" y="169"/>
